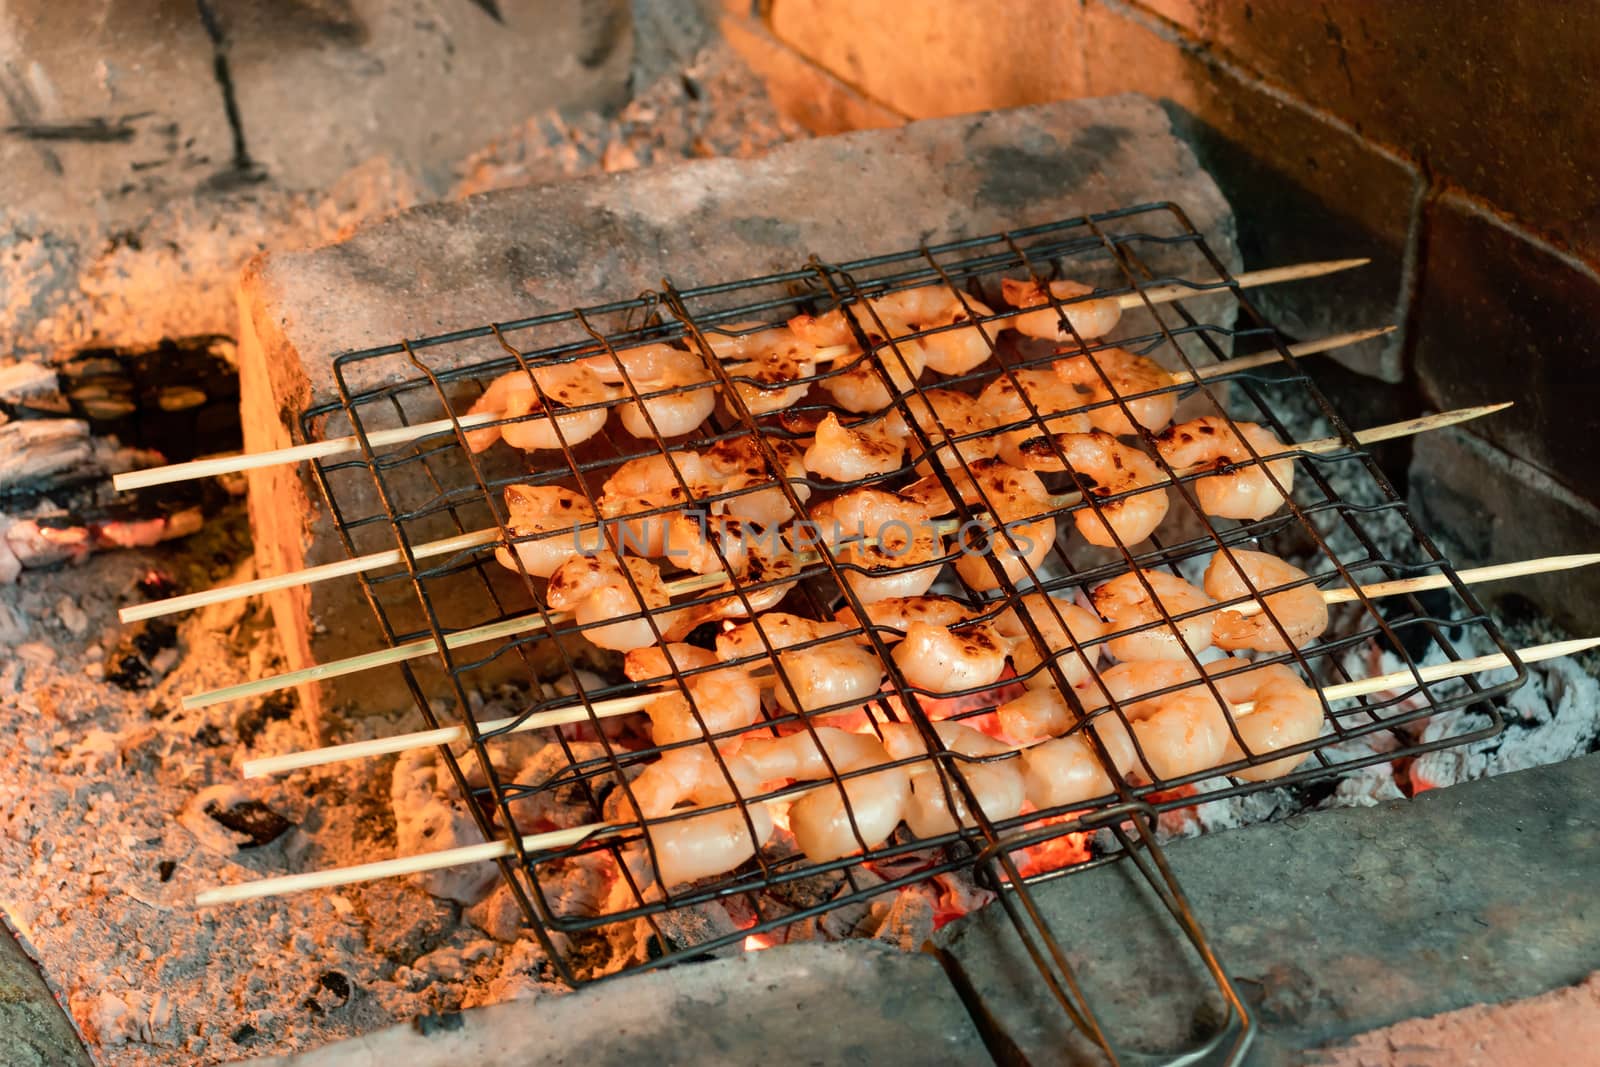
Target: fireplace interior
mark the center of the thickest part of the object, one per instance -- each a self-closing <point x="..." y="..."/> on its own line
<point x="244" y="697"/>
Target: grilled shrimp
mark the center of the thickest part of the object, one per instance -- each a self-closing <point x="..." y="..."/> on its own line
<point x="858" y="385"/>
<point x="563" y="385"/>
<point x="595" y="588"/>
<point x="702" y="845"/>
<point x="846" y="453"/>
<point x="1089" y="318"/>
<point x="835" y="671"/>
<point x="560" y="515"/>
<point x="1125" y="603"/>
<point x="1068" y="770"/>
<point x="702" y="542"/>
<point x="823" y="826"/>
<point x="1285" y="712"/>
<point x="1210" y="443"/>
<point x="1081" y="625"/>
<point x="763" y="363"/>
<point x="1301" y="612"/>
<point x="646" y="484"/>
<point x="770" y="570"/>
<point x="1128" y="374"/>
<point x="1180" y="733"/>
<point x="1111" y="467"/>
<point x="740" y="466"/>
<point x="726" y="700"/>
<point x="903" y="561"/>
<point x="892" y="617"/>
<point x="1007" y="400"/>
<point x="997" y="786"/>
<point x="940" y="659"/>
<point x="650" y="663"/>
<point x="1016" y="530"/>
<point x="943" y="414"/>
<point x="657" y="368"/>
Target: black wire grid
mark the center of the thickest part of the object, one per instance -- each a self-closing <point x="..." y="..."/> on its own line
<point x="407" y="495"/>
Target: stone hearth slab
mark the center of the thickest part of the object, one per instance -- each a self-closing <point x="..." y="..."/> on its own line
<point x="805" y="1003"/>
<point x="1331" y="924"/>
<point x="548" y="248"/>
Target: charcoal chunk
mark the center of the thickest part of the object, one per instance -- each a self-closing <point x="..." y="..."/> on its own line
<point x="251" y="818"/>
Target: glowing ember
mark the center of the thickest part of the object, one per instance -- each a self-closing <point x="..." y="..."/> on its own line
<point x="757" y="942"/>
<point x="1055" y="854"/>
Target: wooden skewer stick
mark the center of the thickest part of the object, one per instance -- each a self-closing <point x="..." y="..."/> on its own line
<point x="207" y="468"/>
<point x="1471" y="576"/>
<point x="378" y="560"/>
<point x="432" y="861"/>
<point x="532" y="621"/>
<point x="605" y="709"/>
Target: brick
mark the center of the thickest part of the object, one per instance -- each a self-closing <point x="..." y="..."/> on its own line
<point x="942" y="58"/>
<point x="799" y="88"/>
<point x="1497" y="97"/>
<point x="548" y="248"/>
<point x="1305" y="188"/>
<point x="1504" y="317"/>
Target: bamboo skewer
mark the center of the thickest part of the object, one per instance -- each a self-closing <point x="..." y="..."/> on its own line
<point x="428" y="549"/>
<point x="430" y="861"/>
<point x="206" y="468"/>
<point x="523" y="624"/>
<point x="616" y="706"/>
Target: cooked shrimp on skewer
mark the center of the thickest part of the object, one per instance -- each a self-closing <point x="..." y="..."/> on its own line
<point x="1285" y="712"/>
<point x="997" y="786"/>
<point x="1111" y="468"/>
<point x="725" y="700"/>
<point x="905" y="559"/>
<point x="1075" y="625"/>
<point x="740" y="467"/>
<point x="594" y="589"/>
<point x="1017" y="529"/>
<point x="892" y="617"/>
<point x="859" y="386"/>
<point x="706" y="544"/>
<point x="658" y="368"/>
<point x="1125" y="603"/>
<point x="1114" y="373"/>
<point x="763" y="361"/>
<point x="823" y="825"/>
<point x="770" y="570"/>
<point x="831" y="670"/>
<point x="1089" y="318"/>
<point x="942" y="414"/>
<point x="1210" y="443"/>
<point x="703" y="845"/>
<point x="646" y="484"/>
<point x="1018" y="395"/>
<point x="563" y="386"/>
<point x="1181" y="733"/>
<point x="1300" y="612"/>
<point x="1066" y="769"/>
<point x="844" y="453"/>
<point x="556" y="519"/>
<point x="941" y="659"/>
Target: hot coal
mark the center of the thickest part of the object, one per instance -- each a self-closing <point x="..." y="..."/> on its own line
<point x="275" y="707"/>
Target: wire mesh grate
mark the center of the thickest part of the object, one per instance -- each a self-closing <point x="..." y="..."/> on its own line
<point x="495" y="625"/>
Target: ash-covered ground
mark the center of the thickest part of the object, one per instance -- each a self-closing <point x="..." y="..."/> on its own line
<point x="117" y="806"/>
